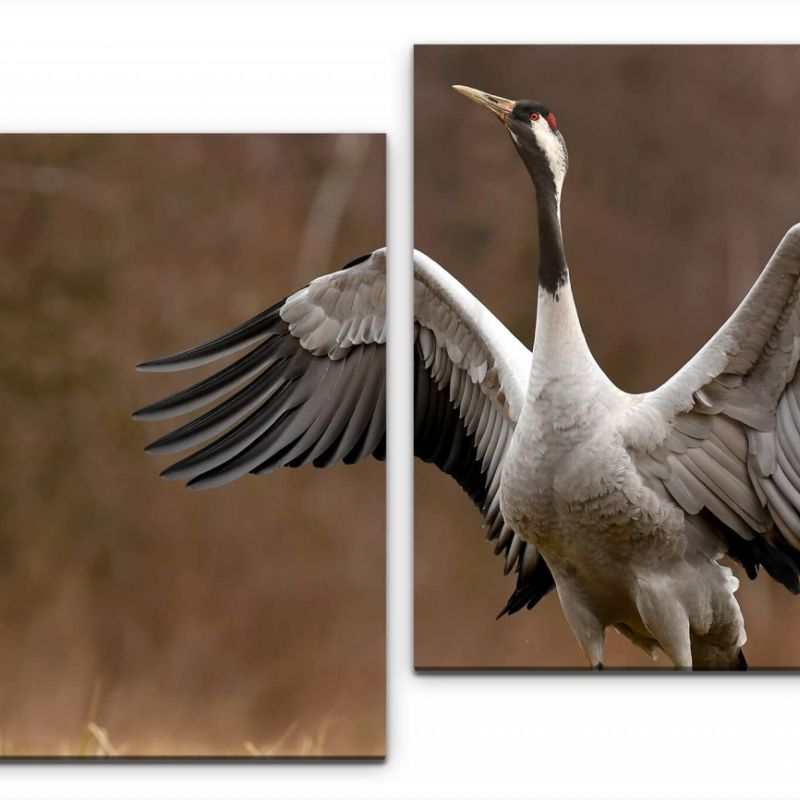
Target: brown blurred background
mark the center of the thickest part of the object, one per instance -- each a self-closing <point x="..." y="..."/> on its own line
<point x="684" y="174"/>
<point x="245" y="619"/>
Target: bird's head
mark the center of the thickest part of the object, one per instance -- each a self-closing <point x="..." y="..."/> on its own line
<point x="535" y="133"/>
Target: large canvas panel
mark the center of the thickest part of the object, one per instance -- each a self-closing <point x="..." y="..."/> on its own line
<point x="139" y="618"/>
<point x="682" y="179"/>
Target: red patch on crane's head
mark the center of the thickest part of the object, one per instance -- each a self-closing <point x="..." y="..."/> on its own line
<point x="551" y="121"/>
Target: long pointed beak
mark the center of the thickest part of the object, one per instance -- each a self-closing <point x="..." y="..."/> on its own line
<point x="499" y="106"/>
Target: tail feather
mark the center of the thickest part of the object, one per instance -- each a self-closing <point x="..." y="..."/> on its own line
<point x="741" y="661"/>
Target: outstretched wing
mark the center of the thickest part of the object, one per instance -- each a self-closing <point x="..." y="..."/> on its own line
<point x="469" y="388"/>
<point x="314" y="384"/>
<point x="311" y="387"/>
<point x="723" y="435"/>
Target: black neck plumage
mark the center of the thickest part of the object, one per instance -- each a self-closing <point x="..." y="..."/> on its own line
<point x="553" y="271"/>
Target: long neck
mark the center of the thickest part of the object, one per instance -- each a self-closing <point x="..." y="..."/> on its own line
<point x="559" y="344"/>
<point x="553" y="271"/>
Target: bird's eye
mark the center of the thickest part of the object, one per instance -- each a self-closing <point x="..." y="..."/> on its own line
<point x="534" y="117"/>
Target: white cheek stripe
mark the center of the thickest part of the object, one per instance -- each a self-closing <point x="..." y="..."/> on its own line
<point x="551" y="147"/>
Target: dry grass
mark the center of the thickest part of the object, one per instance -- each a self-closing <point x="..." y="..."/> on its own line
<point x="95" y="742"/>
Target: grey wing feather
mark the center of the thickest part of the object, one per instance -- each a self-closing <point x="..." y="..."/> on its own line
<point x="314" y="384"/>
<point x="311" y="388"/>
<point x="727" y="426"/>
<point x="469" y="374"/>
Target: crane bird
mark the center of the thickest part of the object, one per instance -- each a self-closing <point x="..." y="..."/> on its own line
<point x="623" y="503"/>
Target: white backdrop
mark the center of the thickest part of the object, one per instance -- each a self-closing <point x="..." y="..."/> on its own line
<point x="346" y="66"/>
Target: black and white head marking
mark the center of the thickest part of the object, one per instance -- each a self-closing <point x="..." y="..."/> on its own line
<point x="541" y="146"/>
<point x="534" y="129"/>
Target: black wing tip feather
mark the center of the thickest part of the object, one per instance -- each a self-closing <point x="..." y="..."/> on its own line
<point x="154" y="448"/>
<point x="353" y="444"/>
<point x="152" y="412"/>
<point x="440" y="438"/>
<point x="741" y="661"/>
<point x="780" y="561"/>
<point x="218" y="347"/>
<point x="356" y="261"/>
<point x="177" y="472"/>
<point x="156" y="365"/>
<point x="213" y="466"/>
<point x="147" y="414"/>
<point x="530" y="589"/>
<point x="202" y="482"/>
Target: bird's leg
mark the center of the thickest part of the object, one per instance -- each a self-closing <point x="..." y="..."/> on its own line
<point x="666" y="620"/>
<point x="588" y="629"/>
